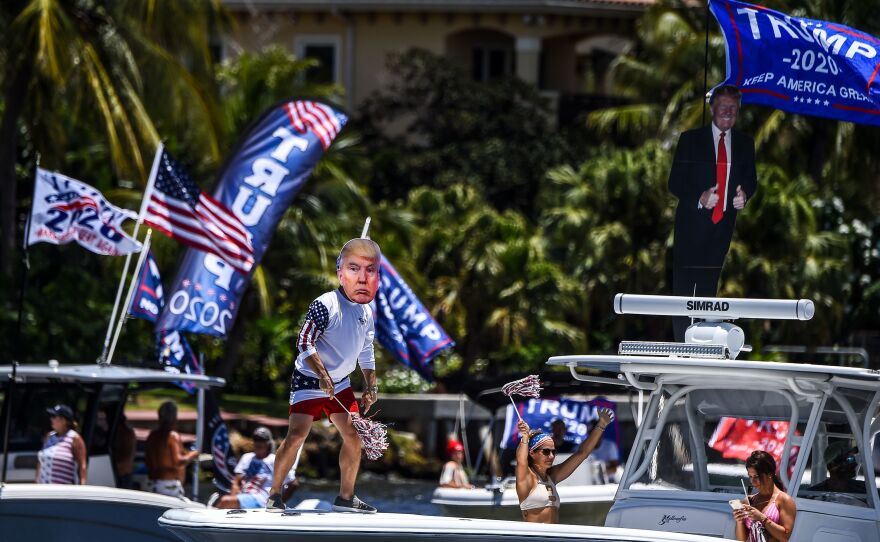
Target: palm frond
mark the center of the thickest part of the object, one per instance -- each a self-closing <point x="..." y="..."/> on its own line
<point x="626" y="118"/>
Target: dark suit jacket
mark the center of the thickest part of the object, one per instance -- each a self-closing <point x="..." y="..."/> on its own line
<point x="699" y="242"/>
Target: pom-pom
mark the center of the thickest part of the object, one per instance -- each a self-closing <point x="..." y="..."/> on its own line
<point x="529" y="386"/>
<point x="374" y="435"/>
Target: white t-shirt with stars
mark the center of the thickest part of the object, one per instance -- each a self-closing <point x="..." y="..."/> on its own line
<point x="341" y="332"/>
<point x="257" y="475"/>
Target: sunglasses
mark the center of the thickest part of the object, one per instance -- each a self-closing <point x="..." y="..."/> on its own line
<point x="547" y="451"/>
<point x="848" y="459"/>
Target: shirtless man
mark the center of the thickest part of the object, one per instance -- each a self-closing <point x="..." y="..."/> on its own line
<point x="123" y="452"/>
<point x="165" y="457"/>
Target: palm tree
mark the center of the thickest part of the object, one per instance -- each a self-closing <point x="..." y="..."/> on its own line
<point x="609" y="223"/>
<point x="490" y="282"/>
<point x="663" y="76"/>
<point x="782" y="250"/>
<point x="104" y="64"/>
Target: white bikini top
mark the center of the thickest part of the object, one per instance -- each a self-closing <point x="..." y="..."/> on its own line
<point x="544" y="494"/>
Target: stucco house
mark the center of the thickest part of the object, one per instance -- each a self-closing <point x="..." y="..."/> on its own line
<point x="564" y="47"/>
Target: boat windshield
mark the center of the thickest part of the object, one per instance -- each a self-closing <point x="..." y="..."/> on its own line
<point x="703" y="437"/>
<point x="836" y="466"/>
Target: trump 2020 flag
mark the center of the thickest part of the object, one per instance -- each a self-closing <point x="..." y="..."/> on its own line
<point x="148" y="298"/>
<point x="172" y="349"/>
<point x="737" y="438"/>
<point x="260" y="180"/>
<point x="404" y="326"/>
<point x="176" y="356"/>
<point x="577" y="415"/>
<point x="215" y="441"/>
<point x="803" y="66"/>
<point x="66" y="210"/>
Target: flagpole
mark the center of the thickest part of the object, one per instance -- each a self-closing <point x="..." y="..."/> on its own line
<point x="25" y="269"/>
<point x="365" y="233"/>
<point x="144" y="202"/>
<point x="705" y="67"/>
<point x="140" y="263"/>
<point x="200" y="430"/>
<point x="10" y="397"/>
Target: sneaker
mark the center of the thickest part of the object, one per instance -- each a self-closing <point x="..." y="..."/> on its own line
<point x="275" y="504"/>
<point x="352" y="505"/>
<point x="212" y="500"/>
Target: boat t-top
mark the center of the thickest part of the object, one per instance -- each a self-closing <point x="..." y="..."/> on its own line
<point x="686" y="461"/>
<point x="99" y="511"/>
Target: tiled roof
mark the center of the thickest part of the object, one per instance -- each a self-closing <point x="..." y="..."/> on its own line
<point x="512" y="6"/>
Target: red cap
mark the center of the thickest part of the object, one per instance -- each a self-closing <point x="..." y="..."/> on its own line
<point x="454" y="446"/>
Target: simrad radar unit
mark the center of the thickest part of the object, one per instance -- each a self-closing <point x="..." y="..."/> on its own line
<point x="710" y="337"/>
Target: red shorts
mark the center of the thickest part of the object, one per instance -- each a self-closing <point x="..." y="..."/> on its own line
<point x="326" y="405"/>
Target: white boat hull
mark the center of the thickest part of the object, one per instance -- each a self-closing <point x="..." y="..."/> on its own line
<point x="262" y="526"/>
<point x="63" y="513"/>
<point x="581" y="504"/>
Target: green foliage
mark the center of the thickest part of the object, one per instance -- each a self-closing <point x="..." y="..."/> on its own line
<point x="92" y="83"/>
<point x="405" y="456"/>
<point x="663" y="75"/>
<point x="399" y="379"/>
<point x="449" y="130"/>
<point x="255" y="81"/>
<point x="514" y="234"/>
<point x="610" y="222"/>
<point x="782" y="251"/>
<point x="493" y="288"/>
<point x="110" y="66"/>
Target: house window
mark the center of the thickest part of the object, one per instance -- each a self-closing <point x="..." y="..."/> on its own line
<point x="491" y="63"/>
<point x="324" y="49"/>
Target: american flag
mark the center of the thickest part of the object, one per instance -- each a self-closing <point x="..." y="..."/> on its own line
<point x="316" y="117"/>
<point x="178" y="208"/>
<point x="316" y="322"/>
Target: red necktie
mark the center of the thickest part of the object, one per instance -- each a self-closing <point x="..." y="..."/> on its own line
<point x="720" y="179"/>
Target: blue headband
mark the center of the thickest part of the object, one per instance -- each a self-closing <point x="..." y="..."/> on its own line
<point x="536" y="441"/>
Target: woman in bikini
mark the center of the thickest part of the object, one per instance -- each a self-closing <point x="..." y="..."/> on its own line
<point x="768" y="514"/>
<point x="536" y="476"/>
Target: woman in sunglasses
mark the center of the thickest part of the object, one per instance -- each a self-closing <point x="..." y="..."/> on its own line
<point x="767" y="515"/>
<point x="537" y="476"/>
